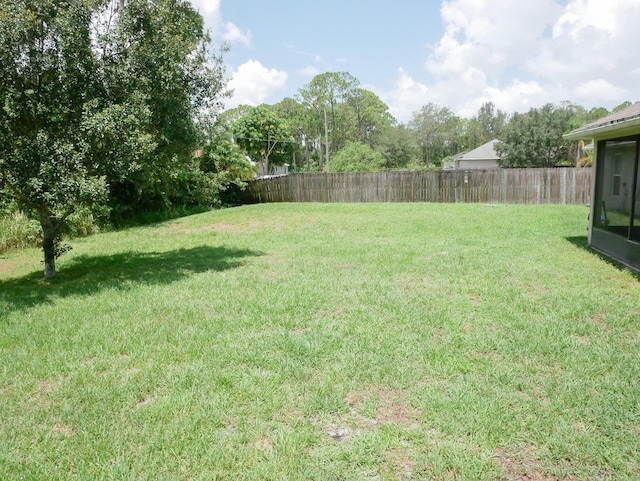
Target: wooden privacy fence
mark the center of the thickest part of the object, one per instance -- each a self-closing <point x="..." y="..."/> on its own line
<point x="497" y="186"/>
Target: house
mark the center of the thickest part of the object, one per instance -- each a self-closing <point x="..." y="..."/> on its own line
<point x="449" y="163"/>
<point x="274" y="170"/>
<point x="614" y="222"/>
<point x="483" y="157"/>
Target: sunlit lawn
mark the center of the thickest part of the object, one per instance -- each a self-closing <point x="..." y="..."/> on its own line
<point x="324" y="342"/>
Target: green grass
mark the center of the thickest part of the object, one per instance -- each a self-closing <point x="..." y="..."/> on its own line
<point x="324" y="342"/>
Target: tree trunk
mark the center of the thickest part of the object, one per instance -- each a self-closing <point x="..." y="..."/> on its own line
<point x="307" y="154"/>
<point x="326" y="138"/>
<point x="49" y="234"/>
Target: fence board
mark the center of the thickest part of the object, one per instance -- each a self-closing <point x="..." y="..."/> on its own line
<point x="496" y="186"/>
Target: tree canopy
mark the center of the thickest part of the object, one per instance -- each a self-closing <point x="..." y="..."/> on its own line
<point x="437" y="132"/>
<point x="333" y="111"/>
<point x="357" y="157"/>
<point x="338" y="112"/>
<point x="264" y="137"/>
<point x="535" y="139"/>
<point x="100" y="100"/>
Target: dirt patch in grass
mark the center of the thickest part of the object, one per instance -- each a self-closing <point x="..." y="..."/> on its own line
<point x="398" y="413"/>
<point x="63" y="430"/>
<point x="263" y="444"/>
<point x="222" y="227"/>
<point x="392" y="406"/>
<point x="288" y="223"/>
<point x="370" y="409"/>
<point x="524" y="466"/>
<point x="144" y="399"/>
<point x="42" y="393"/>
<point x="487" y="356"/>
<point x="399" y="465"/>
<point x="5" y="266"/>
<point x="11" y="266"/>
<point x="252" y="226"/>
<point x="475" y="299"/>
<point x="327" y="313"/>
<point x="597" y="319"/>
<point x="300" y="330"/>
<point x="532" y="290"/>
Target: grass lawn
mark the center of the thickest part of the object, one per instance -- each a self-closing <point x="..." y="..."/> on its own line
<point x="324" y="342"/>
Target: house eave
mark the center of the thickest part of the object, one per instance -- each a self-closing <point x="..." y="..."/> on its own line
<point x="599" y="132"/>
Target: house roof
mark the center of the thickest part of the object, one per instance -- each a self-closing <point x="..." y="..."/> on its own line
<point x="484" y="152"/>
<point x="623" y="122"/>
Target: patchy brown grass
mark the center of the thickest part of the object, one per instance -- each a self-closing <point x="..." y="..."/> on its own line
<point x="523" y="465"/>
<point x="345" y="266"/>
<point x="597" y="319"/>
<point x="145" y="398"/>
<point x="399" y="465"/>
<point x="264" y="445"/>
<point x="370" y="409"/>
<point x="63" y="430"/>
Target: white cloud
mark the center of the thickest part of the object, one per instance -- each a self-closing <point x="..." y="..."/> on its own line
<point x="592" y="39"/>
<point x="516" y="97"/>
<point x="309" y="71"/>
<point x="232" y="33"/>
<point x="227" y="31"/>
<point x="524" y="54"/>
<point x="406" y="97"/>
<point x="582" y="14"/>
<point x="599" y="89"/>
<point x="253" y="84"/>
<point x="488" y="36"/>
<point x="483" y="52"/>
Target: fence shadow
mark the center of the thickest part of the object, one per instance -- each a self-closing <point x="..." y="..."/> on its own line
<point x="86" y="274"/>
<point x="582" y="242"/>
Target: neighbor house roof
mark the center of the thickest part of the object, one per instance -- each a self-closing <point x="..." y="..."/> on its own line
<point x="624" y="122"/>
<point x="484" y="152"/>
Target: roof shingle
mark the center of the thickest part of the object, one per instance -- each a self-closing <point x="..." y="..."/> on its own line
<point x="629" y="113"/>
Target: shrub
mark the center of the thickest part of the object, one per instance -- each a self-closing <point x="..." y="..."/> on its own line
<point x="17" y="231"/>
<point x="357" y="157"/>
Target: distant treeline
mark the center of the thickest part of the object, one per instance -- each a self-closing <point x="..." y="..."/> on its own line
<point x="333" y="124"/>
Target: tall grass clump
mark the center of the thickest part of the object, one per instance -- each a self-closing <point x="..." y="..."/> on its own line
<point x="18" y="231"/>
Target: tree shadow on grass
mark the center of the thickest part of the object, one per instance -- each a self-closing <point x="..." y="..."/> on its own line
<point x="583" y="243"/>
<point x="87" y="274"/>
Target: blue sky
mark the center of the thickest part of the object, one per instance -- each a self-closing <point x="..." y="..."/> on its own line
<point x="456" y="53"/>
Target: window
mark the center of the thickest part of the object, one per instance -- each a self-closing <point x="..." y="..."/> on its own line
<point x="616" y="186"/>
<point x="617" y="175"/>
<point x="635" y="227"/>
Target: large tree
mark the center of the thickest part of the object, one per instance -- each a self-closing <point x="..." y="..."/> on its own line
<point x="371" y="117"/>
<point x="398" y="146"/>
<point x="297" y="116"/>
<point x="326" y="97"/>
<point x="487" y="125"/>
<point x="155" y="59"/>
<point x="535" y="138"/>
<point x="47" y="66"/>
<point x="264" y="137"/>
<point x="99" y="97"/>
<point x="437" y="131"/>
